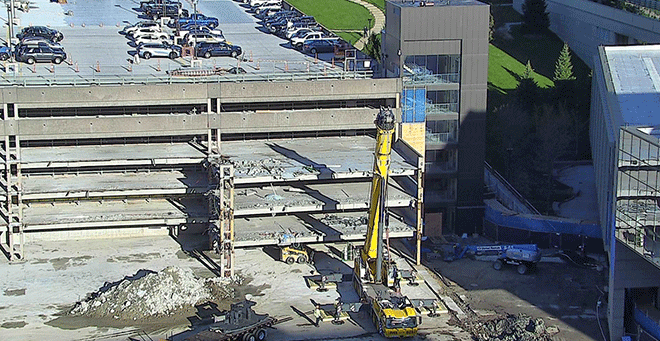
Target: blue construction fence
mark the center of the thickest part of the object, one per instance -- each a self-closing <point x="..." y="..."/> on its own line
<point x="565" y="234"/>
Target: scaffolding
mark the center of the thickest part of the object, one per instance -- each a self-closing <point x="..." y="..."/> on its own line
<point x="11" y="211"/>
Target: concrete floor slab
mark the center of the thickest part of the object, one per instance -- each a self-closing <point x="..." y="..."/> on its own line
<point x="107" y="155"/>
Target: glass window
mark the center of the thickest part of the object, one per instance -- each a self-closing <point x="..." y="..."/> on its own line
<point x="442" y="131"/>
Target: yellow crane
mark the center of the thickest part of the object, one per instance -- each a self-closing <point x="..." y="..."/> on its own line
<point x="373" y="274"/>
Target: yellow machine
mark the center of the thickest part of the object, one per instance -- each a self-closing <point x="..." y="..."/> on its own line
<point x="296" y="254"/>
<point x="373" y="274"/>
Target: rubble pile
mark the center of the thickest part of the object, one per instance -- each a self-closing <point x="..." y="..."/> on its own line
<point x="344" y="223"/>
<point x="512" y="328"/>
<point x="268" y="166"/>
<point x="152" y="294"/>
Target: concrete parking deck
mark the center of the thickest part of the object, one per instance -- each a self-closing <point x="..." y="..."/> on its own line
<point x="96" y="49"/>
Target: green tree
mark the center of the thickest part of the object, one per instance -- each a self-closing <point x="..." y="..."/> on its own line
<point x="564" y="65"/>
<point x="527" y="89"/>
<point x="372" y="48"/>
<point x="535" y="17"/>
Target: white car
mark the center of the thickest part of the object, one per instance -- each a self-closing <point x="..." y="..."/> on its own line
<point x="255" y="3"/>
<point x="128" y="30"/>
<point x="293" y="30"/>
<point x="183" y="32"/>
<point x="148" y="31"/>
<point x="153" y="39"/>
<point x="194" y="38"/>
<point x="298" y="41"/>
<point x="261" y="10"/>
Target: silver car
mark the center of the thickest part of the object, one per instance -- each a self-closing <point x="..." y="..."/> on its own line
<point x="147" y="51"/>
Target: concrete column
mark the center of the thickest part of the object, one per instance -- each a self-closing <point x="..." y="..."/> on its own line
<point x="615" y="310"/>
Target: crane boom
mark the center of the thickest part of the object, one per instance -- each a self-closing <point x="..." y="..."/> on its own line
<point x="372" y="251"/>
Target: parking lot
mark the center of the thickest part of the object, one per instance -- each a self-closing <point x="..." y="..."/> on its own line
<point x="96" y="49"/>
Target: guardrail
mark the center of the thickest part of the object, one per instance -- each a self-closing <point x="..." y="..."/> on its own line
<point x="110" y="80"/>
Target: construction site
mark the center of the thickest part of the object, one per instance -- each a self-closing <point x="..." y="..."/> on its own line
<point x="287" y="203"/>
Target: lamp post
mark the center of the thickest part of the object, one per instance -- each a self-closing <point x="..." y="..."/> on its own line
<point x="10" y="25"/>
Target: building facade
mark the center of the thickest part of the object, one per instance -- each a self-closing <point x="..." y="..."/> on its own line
<point x="440" y="51"/>
<point x="626" y="155"/>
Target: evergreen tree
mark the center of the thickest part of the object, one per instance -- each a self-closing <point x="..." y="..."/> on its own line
<point x="535" y="16"/>
<point x="564" y="66"/>
<point x="527" y="90"/>
<point x="372" y="47"/>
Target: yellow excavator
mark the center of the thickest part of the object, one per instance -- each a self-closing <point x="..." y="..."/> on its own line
<point x="374" y="272"/>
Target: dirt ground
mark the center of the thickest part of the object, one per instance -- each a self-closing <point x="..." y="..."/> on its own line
<point x="563" y="295"/>
<point x="38" y="293"/>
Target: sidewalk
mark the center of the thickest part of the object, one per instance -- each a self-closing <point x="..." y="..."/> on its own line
<point x="379" y="22"/>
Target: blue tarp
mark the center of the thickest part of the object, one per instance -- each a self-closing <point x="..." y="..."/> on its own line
<point x="542" y="224"/>
<point x="413" y="105"/>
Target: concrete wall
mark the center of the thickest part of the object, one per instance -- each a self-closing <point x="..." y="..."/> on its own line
<point x="77" y="123"/>
<point x="585" y="25"/>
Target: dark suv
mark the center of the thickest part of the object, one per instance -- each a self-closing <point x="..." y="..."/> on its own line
<point x="39" y="53"/>
<point x="158" y="11"/>
<point x="207" y="50"/>
<point x="41" y="31"/>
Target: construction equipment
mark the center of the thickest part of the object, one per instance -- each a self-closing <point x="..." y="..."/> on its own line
<point x="239" y="323"/>
<point x="523" y="256"/>
<point x="296" y="253"/>
<point x="373" y="274"/>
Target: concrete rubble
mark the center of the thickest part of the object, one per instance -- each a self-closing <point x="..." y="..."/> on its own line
<point x="519" y="327"/>
<point x="355" y="223"/>
<point x="153" y="294"/>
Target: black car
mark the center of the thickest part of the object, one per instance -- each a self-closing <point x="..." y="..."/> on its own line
<point x="144" y="4"/>
<point x="39" y="53"/>
<point x="318" y="46"/>
<point x="41" y="31"/>
<point x="207" y="50"/>
<point x="156" y="12"/>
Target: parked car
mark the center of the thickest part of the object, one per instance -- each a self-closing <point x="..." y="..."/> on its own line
<point x="236" y="70"/>
<point x="129" y="29"/>
<point x="147" y="51"/>
<point x="201" y="29"/>
<point x="299" y="30"/>
<point x="144" y="4"/>
<point x="297" y="42"/>
<point x="318" y="46"/>
<point x="255" y="3"/>
<point x="31" y="54"/>
<point x="208" y="50"/>
<point x="157" y="12"/>
<point x="195" y="38"/>
<point x="40" y="31"/>
<point x="152" y="39"/>
<point x="5" y="53"/>
<point x="267" y="11"/>
<point x="199" y="19"/>
<point x="148" y="31"/>
<point x="40" y="41"/>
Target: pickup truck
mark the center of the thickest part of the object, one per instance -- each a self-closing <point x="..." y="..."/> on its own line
<point x="297" y="42"/>
<point x="199" y="19"/>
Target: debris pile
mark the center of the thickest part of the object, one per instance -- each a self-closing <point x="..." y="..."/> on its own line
<point x="512" y="328"/>
<point x="344" y="222"/>
<point x="152" y="294"/>
<point x="268" y="166"/>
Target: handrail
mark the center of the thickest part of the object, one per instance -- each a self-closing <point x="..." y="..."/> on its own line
<point x="110" y="80"/>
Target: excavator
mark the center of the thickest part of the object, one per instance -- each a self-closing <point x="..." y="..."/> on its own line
<point x="374" y="272"/>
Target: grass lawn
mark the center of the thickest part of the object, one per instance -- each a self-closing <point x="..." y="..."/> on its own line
<point x="350" y="37"/>
<point x="378" y="3"/>
<point x="507" y="59"/>
<point x="335" y="14"/>
<point x="504" y="71"/>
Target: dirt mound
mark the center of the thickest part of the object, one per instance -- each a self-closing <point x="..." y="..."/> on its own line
<point x="152" y="294"/>
<point x="512" y="328"/>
